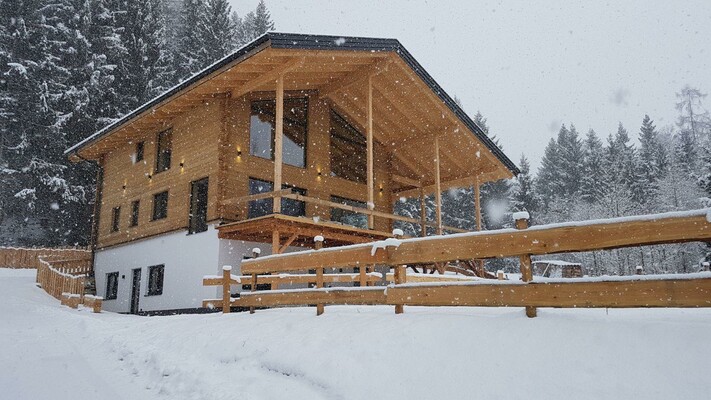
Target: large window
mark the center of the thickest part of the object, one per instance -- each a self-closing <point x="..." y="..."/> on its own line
<point x="349" y="217"/>
<point x="155" y="280"/>
<point x="111" y="286"/>
<point x="262" y="130"/>
<point x="164" y="150"/>
<point x="115" y="219"/>
<point x="348" y="150"/>
<point x="259" y="208"/>
<point x="160" y="205"/>
<point x="197" y="221"/>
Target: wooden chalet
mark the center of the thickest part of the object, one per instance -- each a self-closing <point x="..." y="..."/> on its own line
<point x="290" y="137"/>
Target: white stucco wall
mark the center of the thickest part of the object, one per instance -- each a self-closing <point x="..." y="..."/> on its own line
<point x="187" y="258"/>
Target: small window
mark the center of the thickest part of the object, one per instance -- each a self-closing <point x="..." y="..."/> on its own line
<point x="160" y="205"/>
<point x="262" y="130"/>
<point x="164" y="148"/>
<point x="140" y="148"/>
<point x="197" y="220"/>
<point x="259" y="208"/>
<point x="135" y="208"/>
<point x="349" y="217"/>
<point x="111" y="286"/>
<point x="115" y="219"/>
<point x="155" y="280"/>
<point x="348" y="150"/>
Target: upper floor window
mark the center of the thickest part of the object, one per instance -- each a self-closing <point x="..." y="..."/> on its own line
<point x="164" y="149"/>
<point x="160" y="205"/>
<point x="197" y="220"/>
<point x="135" y="208"/>
<point x="262" y="130"/>
<point x="348" y="150"/>
<point x="140" y="151"/>
<point x="349" y="217"/>
<point x="259" y="208"/>
<point x="115" y="219"/>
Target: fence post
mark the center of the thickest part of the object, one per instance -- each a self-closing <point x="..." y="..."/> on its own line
<point x="318" y="245"/>
<point x="226" y="297"/>
<point x="400" y="273"/>
<point x="253" y="285"/>
<point x="500" y="275"/>
<point x="521" y="219"/>
<point x="706" y="266"/>
<point x="639" y="270"/>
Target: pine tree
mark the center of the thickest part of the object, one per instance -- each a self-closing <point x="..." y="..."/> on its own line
<point x="214" y="31"/>
<point x="524" y="198"/>
<point x="189" y="57"/>
<point x="253" y="25"/>
<point x="593" y="183"/>
<point x="693" y="118"/>
<point x="549" y="174"/>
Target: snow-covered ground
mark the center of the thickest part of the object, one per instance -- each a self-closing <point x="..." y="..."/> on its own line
<point x="50" y="351"/>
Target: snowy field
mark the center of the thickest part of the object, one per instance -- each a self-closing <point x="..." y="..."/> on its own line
<point x="50" y="351"/>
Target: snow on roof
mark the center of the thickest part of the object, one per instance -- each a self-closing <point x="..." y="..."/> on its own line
<point x="310" y="42"/>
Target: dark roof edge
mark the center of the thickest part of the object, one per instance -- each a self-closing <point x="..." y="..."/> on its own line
<point x="315" y="42"/>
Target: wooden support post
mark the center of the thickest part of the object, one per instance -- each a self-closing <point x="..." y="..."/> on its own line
<point x="226" y="298"/>
<point x="318" y="245"/>
<point x="639" y="270"/>
<point x="400" y="273"/>
<point x="477" y="210"/>
<point x="369" y="145"/>
<point x="253" y="285"/>
<point x="521" y="219"/>
<point x="423" y="213"/>
<point x="438" y="187"/>
<point x="276" y="248"/>
<point x="500" y="275"/>
<point x="278" y="140"/>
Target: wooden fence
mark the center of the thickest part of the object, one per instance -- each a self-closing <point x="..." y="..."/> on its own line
<point x="62" y="273"/>
<point x="16" y="257"/>
<point x="642" y="291"/>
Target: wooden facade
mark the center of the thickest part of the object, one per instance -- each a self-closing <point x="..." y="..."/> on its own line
<point x="416" y="144"/>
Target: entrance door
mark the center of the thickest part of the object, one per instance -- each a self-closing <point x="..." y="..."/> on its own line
<point x="135" y="290"/>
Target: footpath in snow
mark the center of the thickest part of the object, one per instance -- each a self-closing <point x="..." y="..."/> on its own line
<point x="358" y="352"/>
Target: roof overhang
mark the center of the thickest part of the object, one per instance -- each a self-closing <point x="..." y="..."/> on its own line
<point x="410" y="108"/>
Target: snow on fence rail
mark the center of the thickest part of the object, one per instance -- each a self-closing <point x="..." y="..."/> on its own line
<point x="60" y="272"/>
<point x="17" y="257"/>
<point x="522" y="242"/>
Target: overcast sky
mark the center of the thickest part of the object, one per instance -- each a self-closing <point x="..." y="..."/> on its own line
<point x="531" y="67"/>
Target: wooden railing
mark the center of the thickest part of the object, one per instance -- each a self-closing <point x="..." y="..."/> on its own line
<point x="645" y="291"/>
<point x="289" y="194"/>
<point x="62" y="273"/>
<point x="17" y="257"/>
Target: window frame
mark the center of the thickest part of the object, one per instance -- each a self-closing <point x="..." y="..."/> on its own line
<point x="135" y="213"/>
<point x="155" y="288"/>
<point x="111" y="292"/>
<point x="272" y="101"/>
<point x="164" y="215"/>
<point x="164" y="150"/>
<point x="140" y="154"/>
<point x="352" y="203"/>
<point x="116" y="219"/>
<point x="191" y="212"/>
<point x="284" y="202"/>
<point x="362" y="155"/>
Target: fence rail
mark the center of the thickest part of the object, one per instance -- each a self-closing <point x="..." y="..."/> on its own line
<point x="657" y="291"/>
<point x="17" y="257"/>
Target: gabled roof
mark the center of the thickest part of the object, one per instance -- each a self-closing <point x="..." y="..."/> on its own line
<point x="277" y="40"/>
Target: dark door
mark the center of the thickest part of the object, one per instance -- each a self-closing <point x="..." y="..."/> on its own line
<point x="135" y="290"/>
<point x="198" y="206"/>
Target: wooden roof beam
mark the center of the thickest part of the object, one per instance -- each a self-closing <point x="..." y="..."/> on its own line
<point x="268" y="77"/>
<point x="361" y="74"/>
<point x="461" y="182"/>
